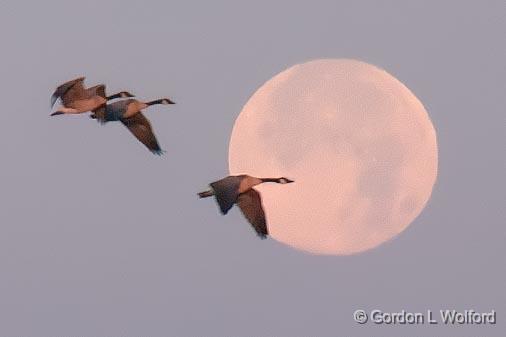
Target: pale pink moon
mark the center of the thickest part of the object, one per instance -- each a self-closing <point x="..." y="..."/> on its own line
<point x="358" y="143"/>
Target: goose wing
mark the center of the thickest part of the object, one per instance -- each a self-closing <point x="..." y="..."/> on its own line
<point x="68" y="91"/>
<point x="140" y="127"/>
<point x="226" y="191"/>
<point x="75" y="93"/>
<point x="250" y="204"/>
<point x="98" y="90"/>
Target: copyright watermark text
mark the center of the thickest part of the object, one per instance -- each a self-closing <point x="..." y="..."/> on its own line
<point x="447" y="316"/>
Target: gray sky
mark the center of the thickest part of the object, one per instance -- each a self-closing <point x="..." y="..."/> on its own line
<point x="98" y="237"/>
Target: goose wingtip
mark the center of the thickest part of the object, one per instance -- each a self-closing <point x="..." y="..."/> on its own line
<point x="159" y="152"/>
<point x="53" y="100"/>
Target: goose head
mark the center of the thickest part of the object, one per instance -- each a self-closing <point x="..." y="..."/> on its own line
<point x="166" y="101"/>
<point x="284" y="180"/>
<point x="122" y="94"/>
<point x="163" y="101"/>
<point x="125" y="94"/>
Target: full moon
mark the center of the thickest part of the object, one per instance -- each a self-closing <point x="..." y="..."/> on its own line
<point x="358" y="143"/>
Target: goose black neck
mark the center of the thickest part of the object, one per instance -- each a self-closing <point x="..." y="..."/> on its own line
<point x="118" y="95"/>
<point x="156" y="101"/>
<point x="270" y="180"/>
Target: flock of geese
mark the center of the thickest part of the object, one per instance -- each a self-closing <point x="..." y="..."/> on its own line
<point x="76" y="99"/>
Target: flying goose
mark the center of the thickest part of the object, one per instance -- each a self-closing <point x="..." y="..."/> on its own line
<point x="129" y="113"/>
<point x="239" y="190"/>
<point x="78" y="99"/>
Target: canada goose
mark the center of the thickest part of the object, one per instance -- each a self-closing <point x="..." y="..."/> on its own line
<point x="239" y="190"/>
<point x="78" y="99"/>
<point x="129" y="113"/>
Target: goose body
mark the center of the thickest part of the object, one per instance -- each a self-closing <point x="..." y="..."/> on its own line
<point x="77" y="99"/>
<point x="129" y="113"/>
<point x="239" y="190"/>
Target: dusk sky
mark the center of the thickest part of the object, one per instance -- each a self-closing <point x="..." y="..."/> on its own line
<point x="98" y="237"/>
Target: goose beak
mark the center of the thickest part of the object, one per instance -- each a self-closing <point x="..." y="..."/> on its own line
<point x="289" y="181"/>
<point x="56" y="113"/>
